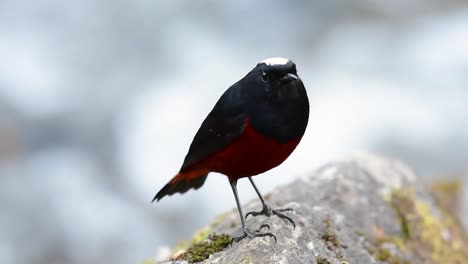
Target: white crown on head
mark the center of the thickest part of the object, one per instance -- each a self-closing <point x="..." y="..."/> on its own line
<point x="275" y="61"/>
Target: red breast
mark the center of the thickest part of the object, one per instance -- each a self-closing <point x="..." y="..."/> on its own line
<point x="248" y="155"/>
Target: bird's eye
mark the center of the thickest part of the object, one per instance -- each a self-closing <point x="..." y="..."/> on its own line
<point x="264" y="76"/>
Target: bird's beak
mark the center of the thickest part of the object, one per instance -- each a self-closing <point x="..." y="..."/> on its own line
<point x="289" y="77"/>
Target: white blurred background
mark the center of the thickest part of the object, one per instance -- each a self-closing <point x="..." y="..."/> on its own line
<point x="99" y="102"/>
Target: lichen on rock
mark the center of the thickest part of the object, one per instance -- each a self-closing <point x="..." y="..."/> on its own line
<point x="433" y="233"/>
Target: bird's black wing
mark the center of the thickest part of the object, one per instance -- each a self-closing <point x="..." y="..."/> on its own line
<point x="224" y="124"/>
<point x="221" y="127"/>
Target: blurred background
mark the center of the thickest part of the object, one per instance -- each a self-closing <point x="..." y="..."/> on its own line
<point x="99" y="101"/>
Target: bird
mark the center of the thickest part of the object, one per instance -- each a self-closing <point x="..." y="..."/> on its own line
<point x="254" y="127"/>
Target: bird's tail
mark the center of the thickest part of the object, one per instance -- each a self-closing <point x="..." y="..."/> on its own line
<point x="182" y="182"/>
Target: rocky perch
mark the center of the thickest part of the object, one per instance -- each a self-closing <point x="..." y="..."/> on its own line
<point x="362" y="210"/>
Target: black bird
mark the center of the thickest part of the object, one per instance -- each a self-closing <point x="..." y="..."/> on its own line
<point x="254" y="127"/>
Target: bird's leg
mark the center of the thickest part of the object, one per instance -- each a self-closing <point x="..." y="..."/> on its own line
<point x="247" y="232"/>
<point x="267" y="209"/>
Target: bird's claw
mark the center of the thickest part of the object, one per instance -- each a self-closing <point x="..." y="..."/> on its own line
<point x="262" y="226"/>
<point x="250" y="234"/>
<point x="267" y="211"/>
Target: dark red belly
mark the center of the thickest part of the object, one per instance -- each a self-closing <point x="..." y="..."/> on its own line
<point x="250" y="154"/>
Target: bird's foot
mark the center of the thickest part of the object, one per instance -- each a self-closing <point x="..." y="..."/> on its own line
<point x="267" y="211"/>
<point x="257" y="233"/>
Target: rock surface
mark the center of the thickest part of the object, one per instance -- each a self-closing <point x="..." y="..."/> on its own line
<point x="463" y="205"/>
<point x="362" y="210"/>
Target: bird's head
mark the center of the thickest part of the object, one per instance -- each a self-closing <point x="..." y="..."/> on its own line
<point x="277" y="70"/>
<point x="273" y="76"/>
<point x="274" y="99"/>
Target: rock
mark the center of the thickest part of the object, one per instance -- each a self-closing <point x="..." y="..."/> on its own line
<point x="463" y="205"/>
<point x="452" y="196"/>
<point x="362" y="210"/>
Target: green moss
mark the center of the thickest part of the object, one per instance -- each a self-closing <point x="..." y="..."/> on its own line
<point x="447" y="186"/>
<point x="383" y="254"/>
<point x="432" y="235"/>
<point x="330" y="240"/>
<point x="202" y="250"/>
<point x="397" y="260"/>
<point x="198" y="237"/>
<point x="370" y="250"/>
<point x="428" y="234"/>
<point x="402" y="205"/>
<point x="322" y="260"/>
<point x="201" y="234"/>
<point x="431" y="230"/>
<point x="395" y="240"/>
<point x="446" y="194"/>
<point x="386" y="256"/>
<point x="359" y="233"/>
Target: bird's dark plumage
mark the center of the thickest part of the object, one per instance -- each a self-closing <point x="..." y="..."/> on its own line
<point x="254" y="127"/>
<point x="271" y="97"/>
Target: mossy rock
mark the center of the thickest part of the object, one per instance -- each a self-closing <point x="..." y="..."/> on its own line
<point x="430" y="234"/>
<point x="361" y="210"/>
<point x="201" y="251"/>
